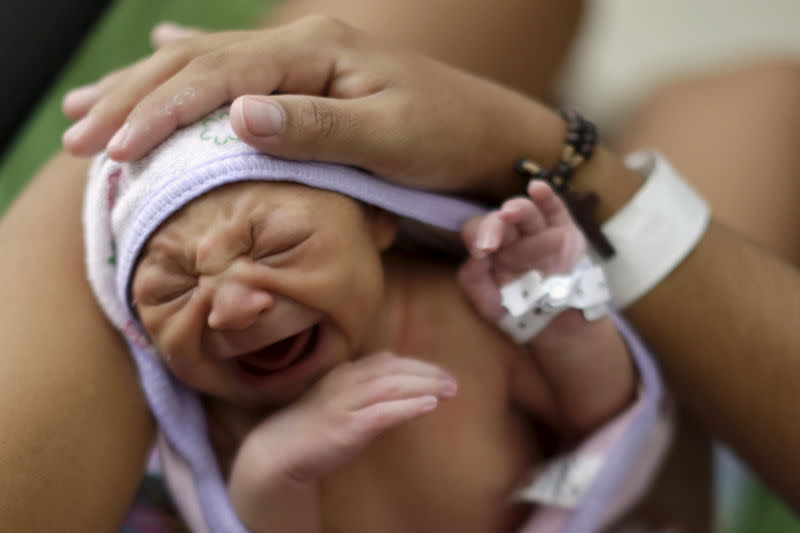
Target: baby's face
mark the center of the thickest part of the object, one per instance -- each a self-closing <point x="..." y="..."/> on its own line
<point x="255" y="290"/>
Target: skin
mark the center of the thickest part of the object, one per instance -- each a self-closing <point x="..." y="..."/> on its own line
<point x="248" y="265"/>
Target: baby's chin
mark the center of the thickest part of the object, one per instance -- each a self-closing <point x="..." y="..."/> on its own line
<point x="264" y="403"/>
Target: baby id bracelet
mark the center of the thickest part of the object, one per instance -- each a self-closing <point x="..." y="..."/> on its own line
<point x="532" y="301"/>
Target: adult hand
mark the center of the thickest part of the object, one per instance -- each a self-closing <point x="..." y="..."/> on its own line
<point x="336" y="94"/>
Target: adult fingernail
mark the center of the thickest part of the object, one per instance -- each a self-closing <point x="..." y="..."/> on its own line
<point x="449" y="388"/>
<point x="78" y="97"/>
<point x="117" y="142"/>
<point x="262" y="117"/>
<point x="429" y="403"/>
<point x="75" y="132"/>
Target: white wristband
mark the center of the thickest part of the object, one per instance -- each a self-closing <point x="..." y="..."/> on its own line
<point x="533" y="301"/>
<point x="655" y="231"/>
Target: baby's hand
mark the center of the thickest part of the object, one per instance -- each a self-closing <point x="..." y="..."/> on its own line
<point x="337" y="418"/>
<point x="523" y="235"/>
<point x="585" y="364"/>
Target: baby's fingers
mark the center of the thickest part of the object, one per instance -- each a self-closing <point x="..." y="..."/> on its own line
<point x="476" y="277"/>
<point x="552" y="207"/>
<point x="485" y="235"/>
<point x="524" y="215"/>
<point x="542" y="252"/>
<point x="391" y="388"/>
<point x="370" y="421"/>
<point x="385" y="364"/>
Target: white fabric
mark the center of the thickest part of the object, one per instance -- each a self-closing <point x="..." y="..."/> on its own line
<point x="655" y="231"/>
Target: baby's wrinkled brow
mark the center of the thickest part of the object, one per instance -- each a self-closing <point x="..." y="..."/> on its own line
<point x="167" y="250"/>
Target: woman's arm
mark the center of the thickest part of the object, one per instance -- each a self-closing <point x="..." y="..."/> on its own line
<point x="76" y="431"/>
<point x="724" y="325"/>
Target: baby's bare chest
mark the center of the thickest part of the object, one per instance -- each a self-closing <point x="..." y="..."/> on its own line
<point x="434" y="482"/>
<point x="453" y="470"/>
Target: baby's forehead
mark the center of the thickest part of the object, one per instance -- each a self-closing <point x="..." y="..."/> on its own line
<point x="272" y="205"/>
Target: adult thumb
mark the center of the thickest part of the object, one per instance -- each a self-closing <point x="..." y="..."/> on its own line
<point x="304" y="127"/>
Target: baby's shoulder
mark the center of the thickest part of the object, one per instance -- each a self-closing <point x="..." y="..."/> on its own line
<point x="441" y="323"/>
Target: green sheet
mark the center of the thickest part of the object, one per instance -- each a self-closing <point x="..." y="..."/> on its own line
<point x="121" y="36"/>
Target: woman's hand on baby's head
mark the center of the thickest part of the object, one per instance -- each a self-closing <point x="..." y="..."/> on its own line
<point x="335" y="94"/>
<point x="341" y="414"/>
<point x="193" y="73"/>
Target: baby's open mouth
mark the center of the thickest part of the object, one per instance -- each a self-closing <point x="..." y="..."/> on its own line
<point x="280" y="355"/>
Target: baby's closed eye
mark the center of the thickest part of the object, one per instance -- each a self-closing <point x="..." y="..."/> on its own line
<point x="271" y="244"/>
<point x="154" y="286"/>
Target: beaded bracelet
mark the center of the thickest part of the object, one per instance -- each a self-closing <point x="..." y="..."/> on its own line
<point x="579" y="146"/>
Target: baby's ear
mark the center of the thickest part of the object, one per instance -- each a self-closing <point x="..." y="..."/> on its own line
<point x="384" y="226"/>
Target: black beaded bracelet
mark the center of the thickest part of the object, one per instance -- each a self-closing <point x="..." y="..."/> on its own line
<point x="579" y="146"/>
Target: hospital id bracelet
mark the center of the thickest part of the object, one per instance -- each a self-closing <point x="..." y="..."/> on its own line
<point x="532" y="301"/>
<point x="655" y="231"/>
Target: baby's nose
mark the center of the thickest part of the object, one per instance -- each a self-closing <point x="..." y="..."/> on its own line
<point x="235" y="305"/>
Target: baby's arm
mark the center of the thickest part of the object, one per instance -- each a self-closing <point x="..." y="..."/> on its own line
<point x="585" y="363"/>
<point x="273" y="481"/>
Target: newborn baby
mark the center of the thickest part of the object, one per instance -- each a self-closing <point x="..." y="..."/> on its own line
<point x="336" y="382"/>
<point x="310" y="342"/>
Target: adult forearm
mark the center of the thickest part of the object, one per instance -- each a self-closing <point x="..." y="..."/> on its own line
<point x="726" y="329"/>
<point x="725" y="326"/>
